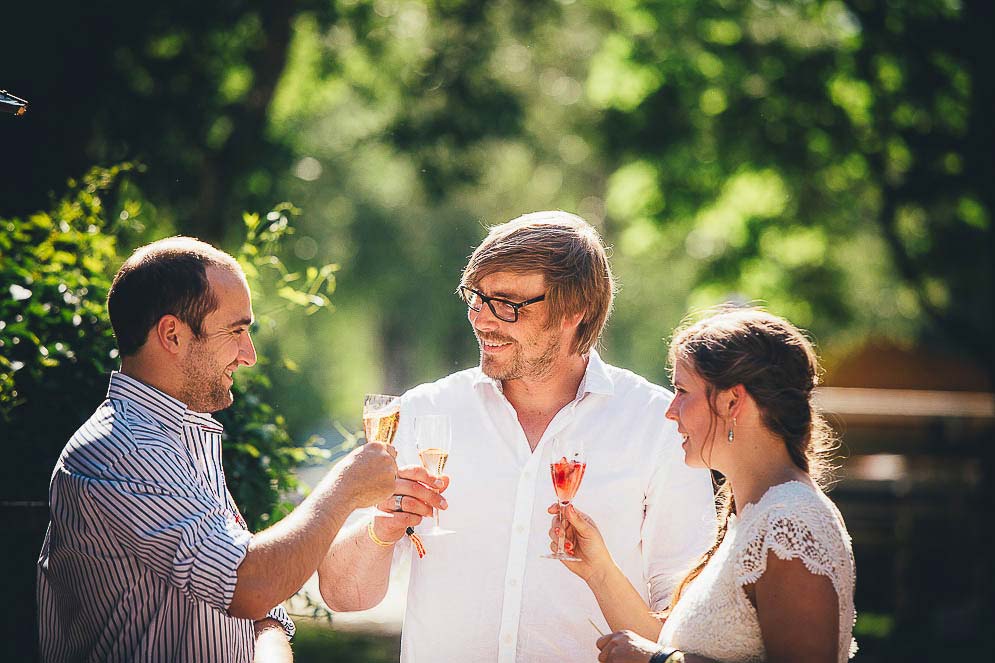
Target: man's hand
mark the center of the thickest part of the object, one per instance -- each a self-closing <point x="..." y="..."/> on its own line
<point x="368" y="473"/>
<point x="419" y="492"/>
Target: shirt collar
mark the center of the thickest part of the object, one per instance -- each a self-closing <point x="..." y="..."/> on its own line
<point x="162" y="407"/>
<point x="596" y="379"/>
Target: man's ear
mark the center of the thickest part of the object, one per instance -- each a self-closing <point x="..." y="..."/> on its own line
<point x="169" y="333"/>
<point x="572" y="320"/>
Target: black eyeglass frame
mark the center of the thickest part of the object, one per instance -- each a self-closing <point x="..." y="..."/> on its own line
<point x="463" y="290"/>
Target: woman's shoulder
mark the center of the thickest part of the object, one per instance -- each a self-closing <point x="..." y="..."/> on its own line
<point x="794" y="521"/>
<point x="790" y="500"/>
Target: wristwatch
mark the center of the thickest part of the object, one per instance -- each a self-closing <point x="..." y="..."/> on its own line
<point x="668" y="655"/>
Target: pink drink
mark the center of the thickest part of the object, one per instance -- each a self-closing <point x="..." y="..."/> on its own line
<point x="567" y="475"/>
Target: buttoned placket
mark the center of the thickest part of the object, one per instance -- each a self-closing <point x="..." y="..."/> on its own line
<point x="525" y="505"/>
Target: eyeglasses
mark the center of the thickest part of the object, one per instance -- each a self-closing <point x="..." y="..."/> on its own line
<point x="501" y="308"/>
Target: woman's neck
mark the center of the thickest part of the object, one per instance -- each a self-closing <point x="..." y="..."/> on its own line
<point x="758" y="463"/>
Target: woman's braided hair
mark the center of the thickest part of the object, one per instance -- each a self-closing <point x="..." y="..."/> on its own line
<point x="777" y="365"/>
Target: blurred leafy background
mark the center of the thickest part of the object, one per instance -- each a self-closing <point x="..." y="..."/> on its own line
<point x="832" y="158"/>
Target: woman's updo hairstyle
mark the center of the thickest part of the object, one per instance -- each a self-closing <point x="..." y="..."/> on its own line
<point x="776" y="364"/>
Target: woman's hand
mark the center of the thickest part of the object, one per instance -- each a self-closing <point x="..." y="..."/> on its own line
<point x="581" y="539"/>
<point x="626" y="647"/>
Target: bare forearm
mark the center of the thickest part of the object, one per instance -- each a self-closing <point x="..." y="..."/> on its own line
<point x="355" y="573"/>
<point x="281" y="558"/>
<point x="272" y="645"/>
<point x="621" y="604"/>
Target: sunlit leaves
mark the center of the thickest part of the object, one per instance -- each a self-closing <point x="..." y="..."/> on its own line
<point x="721" y="31"/>
<point x="713" y="101"/>
<point x="853" y="96"/>
<point x="267" y="272"/>
<point x="634" y="190"/>
<point x="889" y="73"/>
<point x="794" y="246"/>
<point x="973" y="213"/>
<point x="615" y="80"/>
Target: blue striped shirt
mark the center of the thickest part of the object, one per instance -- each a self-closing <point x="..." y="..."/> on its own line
<point x="141" y="554"/>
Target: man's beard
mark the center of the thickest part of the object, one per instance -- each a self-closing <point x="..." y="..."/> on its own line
<point x="204" y="389"/>
<point x="533" y="368"/>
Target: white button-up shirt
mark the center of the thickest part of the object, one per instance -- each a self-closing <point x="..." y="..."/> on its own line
<point x="485" y="593"/>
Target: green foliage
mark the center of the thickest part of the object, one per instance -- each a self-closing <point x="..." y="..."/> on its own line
<point x="56" y="342"/>
<point x="183" y="86"/>
<point x="259" y="451"/>
<point x="58" y="346"/>
<point x="316" y="641"/>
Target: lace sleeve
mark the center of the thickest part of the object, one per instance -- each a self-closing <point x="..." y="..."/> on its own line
<point x="789" y="538"/>
<point x="814" y="536"/>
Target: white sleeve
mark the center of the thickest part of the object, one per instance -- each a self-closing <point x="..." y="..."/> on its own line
<point x="679" y="522"/>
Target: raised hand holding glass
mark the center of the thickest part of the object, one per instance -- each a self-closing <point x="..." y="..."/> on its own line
<point x="567" y="465"/>
<point x="433" y="439"/>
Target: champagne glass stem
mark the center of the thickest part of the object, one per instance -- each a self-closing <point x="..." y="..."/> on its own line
<point x="435" y="512"/>
<point x="560" y="550"/>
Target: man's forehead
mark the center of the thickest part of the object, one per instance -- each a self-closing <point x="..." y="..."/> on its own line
<point x="523" y="283"/>
<point x="232" y="293"/>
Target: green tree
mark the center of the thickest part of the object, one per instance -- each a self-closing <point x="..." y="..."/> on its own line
<point x="185" y="87"/>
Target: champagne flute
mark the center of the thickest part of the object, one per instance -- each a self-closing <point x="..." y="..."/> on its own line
<point x="567" y="465"/>
<point x="433" y="439"/>
<point x="381" y="415"/>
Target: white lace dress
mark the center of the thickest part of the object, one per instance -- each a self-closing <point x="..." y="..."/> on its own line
<point x="714" y="618"/>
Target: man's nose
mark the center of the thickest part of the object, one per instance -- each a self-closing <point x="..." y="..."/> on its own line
<point x="484" y="319"/>
<point x="247" y="351"/>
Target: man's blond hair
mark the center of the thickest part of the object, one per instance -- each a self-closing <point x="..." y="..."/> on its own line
<point x="568" y="252"/>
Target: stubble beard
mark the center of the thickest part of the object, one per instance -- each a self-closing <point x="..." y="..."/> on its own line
<point x="204" y="389"/>
<point x="519" y="367"/>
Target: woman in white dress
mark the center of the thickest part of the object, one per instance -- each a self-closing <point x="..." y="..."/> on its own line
<point x="778" y="584"/>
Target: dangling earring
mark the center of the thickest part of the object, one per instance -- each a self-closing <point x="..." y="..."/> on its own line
<point x="732" y="435"/>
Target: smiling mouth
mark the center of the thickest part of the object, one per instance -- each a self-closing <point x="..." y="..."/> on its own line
<point x="493" y="346"/>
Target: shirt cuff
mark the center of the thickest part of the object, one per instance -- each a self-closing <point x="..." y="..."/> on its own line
<point x="213" y="566"/>
<point x="279" y="614"/>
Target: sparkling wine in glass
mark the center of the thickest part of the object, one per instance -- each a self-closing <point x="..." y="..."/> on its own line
<point x="381" y="414"/>
<point x="567" y="467"/>
<point x="433" y="439"/>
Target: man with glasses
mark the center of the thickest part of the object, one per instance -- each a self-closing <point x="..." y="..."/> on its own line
<point x="538" y="290"/>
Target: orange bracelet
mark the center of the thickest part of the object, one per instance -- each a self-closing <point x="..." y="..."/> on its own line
<point x="376" y="539"/>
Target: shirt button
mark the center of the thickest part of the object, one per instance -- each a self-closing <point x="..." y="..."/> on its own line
<point x="513" y="582"/>
<point x="520" y="529"/>
<point x="507" y="639"/>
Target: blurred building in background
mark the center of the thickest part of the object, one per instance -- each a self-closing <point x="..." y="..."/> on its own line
<point x="918" y="432"/>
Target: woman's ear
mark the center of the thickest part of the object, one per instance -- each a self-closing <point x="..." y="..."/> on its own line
<point x="735" y="399"/>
